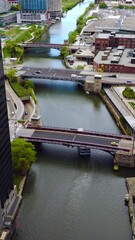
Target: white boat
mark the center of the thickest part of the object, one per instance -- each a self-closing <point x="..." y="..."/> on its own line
<point x="126" y="197"/>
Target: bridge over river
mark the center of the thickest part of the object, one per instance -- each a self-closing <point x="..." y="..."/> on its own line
<point x="51" y="45"/>
<point x="78" y="76"/>
<point x="77" y="138"/>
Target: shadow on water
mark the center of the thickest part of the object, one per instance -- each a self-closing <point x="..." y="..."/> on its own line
<point x="69" y="158"/>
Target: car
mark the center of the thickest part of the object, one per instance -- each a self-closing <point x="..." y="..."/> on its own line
<point x="8" y="99"/>
<point x="38" y="72"/>
<point x="26" y="113"/>
<point x="114" y="143"/>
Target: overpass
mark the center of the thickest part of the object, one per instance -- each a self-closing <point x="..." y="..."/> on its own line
<point x="77" y="138"/>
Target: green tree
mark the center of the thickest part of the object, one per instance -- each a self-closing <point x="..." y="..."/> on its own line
<point x="103" y="5"/>
<point x="12" y="50"/>
<point x="64" y="51"/>
<point x="29" y="84"/>
<point x="11" y="75"/>
<point x="23" y="155"/>
<point x="72" y="36"/>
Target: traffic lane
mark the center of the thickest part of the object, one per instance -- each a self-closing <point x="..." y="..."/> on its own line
<point x="30" y="70"/>
<point x="54" y="135"/>
<point x="75" y="137"/>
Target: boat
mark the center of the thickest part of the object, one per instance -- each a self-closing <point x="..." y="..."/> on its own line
<point x="126" y="197"/>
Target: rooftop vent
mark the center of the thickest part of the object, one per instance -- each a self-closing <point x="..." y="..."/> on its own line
<point x="121" y="48"/>
<point x="133" y="60"/>
<point x="115" y="60"/>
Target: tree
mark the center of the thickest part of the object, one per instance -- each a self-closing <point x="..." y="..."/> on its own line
<point x="64" y="51"/>
<point x="103" y="5"/>
<point x="23" y="155"/>
<point x="72" y="36"/>
<point x="11" y="75"/>
<point x="12" y="50"/>
<point x="29" y="84"/>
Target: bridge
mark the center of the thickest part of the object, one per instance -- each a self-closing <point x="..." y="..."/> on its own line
<point x="54" y="74"/>
<point x="78" y="76"/>
<point x="57" y="46"/>
<point x="77" y="138"/>
<point x="43" y="45"/>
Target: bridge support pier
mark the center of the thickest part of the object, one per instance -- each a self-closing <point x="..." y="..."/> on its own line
<point x="84" y="151"/>
<point x="124" y="159"/>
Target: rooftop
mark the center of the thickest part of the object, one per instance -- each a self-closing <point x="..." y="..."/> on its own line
<point x="124" y="59"/>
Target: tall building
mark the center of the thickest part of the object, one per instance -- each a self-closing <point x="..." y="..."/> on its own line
<point x="54" y="7"/>
<point x="33" y="5"/>
<point x="38" y="11"/>
<point x="32" y="11"/>
<point x="4" y="6"/>
<point x="9" y="201"/>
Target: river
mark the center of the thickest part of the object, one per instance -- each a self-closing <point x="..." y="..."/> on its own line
<point x="68" y="197"/>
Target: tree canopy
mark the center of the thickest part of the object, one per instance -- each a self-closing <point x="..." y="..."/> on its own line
<point x="23" y="155"/>
<point x="11" y="75"/>
<point x="11" y="49"/>
<point x="128" y="93"/>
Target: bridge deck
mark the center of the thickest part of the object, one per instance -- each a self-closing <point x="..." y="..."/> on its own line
<point x="74" y="137"/>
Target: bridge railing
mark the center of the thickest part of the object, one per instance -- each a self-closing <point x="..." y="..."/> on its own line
<point x="82" y="132"/>
<point x="75" y="143"/>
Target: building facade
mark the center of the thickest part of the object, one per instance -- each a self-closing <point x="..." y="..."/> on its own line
<point x="4" y="6"/>
<point x="115" y="60"/>
<point x="39" y="11"/>
<point x="33" y="5"/>
<point x="54" y="7"/>
<point x="104" y="40"/>
<point x="9" y="201"/>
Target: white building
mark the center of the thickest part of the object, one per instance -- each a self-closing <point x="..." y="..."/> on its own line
<point x="4" y="6"/>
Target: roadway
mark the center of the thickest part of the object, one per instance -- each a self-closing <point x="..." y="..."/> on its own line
<point x="53" y="73"/>
<point x="78" y="76"/>
<point x="75" y="138"/>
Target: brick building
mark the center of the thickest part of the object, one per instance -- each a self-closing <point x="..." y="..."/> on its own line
<point x="104" y="40"/>
<point x="119" y="60"/>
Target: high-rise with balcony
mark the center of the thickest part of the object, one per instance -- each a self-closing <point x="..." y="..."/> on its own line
<point x="9" y="201"/>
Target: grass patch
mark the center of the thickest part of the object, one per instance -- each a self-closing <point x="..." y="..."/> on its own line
<point x="68" y="4"/>
<point x="132" y="104"/>
<point x="20" y="90"/>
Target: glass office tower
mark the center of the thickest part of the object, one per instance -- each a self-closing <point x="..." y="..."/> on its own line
<point x="33" y="5"/>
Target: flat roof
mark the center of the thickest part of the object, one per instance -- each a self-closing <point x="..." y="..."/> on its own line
<point x="125" y="59"/>
<point x="117" y="35"/>
<point x="122" y="20"/>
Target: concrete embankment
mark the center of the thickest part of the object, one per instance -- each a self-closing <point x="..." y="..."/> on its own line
<point x="130" y="183"/>
<point x="113" y="111"/>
